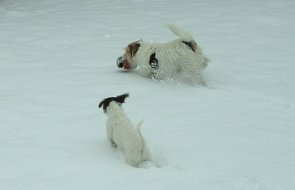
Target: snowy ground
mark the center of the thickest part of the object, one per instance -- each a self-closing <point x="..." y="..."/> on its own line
<point x="57" y="61"/>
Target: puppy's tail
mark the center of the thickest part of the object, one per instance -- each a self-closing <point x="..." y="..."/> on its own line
<point x="139" y="131"/>
<point x="145" y="151"/>
<point x="185" y="36"/>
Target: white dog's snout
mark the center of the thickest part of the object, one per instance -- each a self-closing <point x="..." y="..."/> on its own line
<point x="120" y="62"/>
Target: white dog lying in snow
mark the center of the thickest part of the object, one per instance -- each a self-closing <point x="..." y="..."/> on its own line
<point x="121" y="132"/>
<point x="180" y="57"/>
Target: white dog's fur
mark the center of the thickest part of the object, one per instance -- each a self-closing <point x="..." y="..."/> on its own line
<point x="178" y="57"/>
<point x="123" y="135"/>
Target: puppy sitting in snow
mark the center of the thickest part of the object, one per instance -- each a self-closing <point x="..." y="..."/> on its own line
<point x="182" y="57"/>
<point x="122" y="134"/>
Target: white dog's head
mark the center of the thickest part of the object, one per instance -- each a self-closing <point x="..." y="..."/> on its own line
<point x="126" y="60"/>
<point x="118" y="99"/>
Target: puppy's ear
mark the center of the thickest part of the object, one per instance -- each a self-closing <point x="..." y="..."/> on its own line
<point x="104" y="104"/>
<point x="133" y="48"/>
<point x="121" y="99"/>
<point x="100" y="104"/>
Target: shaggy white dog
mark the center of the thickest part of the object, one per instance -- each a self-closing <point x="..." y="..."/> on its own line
<point x="122" y="134"/>
<point x="181" y="57"/>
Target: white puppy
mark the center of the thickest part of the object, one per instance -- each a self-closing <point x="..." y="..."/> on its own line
<point x="122" y="134"/>
<point x="180" y="57"/>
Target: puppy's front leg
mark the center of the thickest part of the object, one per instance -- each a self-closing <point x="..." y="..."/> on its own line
<point x="110" y="135"/>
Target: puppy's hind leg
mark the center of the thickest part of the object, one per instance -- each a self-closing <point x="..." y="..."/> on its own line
<point x="114" y="145"/>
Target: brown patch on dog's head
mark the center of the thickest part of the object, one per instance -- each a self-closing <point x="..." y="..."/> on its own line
<point x="118" y="99"/>
<point x="129" y="55"/>
<point x="126" y="61"/>
<point x="132" y="48"/>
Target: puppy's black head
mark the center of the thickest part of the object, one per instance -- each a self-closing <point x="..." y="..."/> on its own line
<point x="106" y="102"/>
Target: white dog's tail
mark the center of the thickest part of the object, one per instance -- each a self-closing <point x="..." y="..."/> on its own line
<point x="181" y="33"/>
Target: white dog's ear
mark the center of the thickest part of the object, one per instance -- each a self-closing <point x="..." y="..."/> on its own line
<point x="133" y="48"/>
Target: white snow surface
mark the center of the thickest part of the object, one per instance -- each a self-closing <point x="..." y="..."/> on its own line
<point x="58" y="61"/>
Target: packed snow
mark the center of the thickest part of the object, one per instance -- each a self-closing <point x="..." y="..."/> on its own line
<point x="58" y="61"/>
